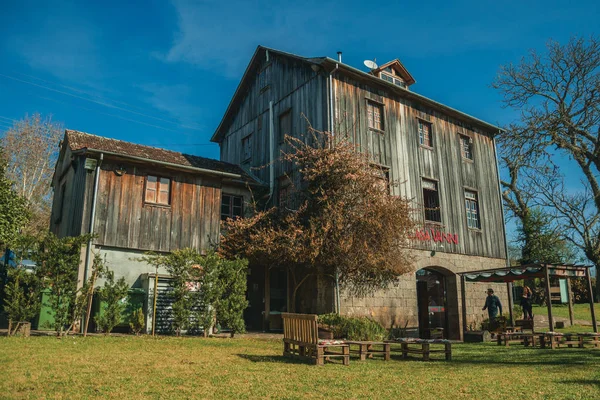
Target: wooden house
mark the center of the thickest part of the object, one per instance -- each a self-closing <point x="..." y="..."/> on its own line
<point x="136" y="199"/>
<point x="444" y="159"/>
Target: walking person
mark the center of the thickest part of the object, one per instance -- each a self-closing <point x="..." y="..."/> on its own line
<point x="526" y="303"/>
<point x="493" y="305"/>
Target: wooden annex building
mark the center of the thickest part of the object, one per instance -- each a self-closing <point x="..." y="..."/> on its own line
<point x="444" y="159"/>
<point x="138" y="198"/>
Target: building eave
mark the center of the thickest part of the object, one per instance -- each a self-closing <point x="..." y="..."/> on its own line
<point x="329" y="63"/>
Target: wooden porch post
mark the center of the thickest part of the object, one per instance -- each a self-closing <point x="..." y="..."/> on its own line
<point x="464" y="303"/>
<point x="570" y="295"/>
<point x="548" y="298"/>
<point x="510" y="302"/>
<point x="591" y="289"/>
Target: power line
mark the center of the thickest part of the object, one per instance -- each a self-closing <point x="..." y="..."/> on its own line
<point x="102" y="103"/>
<point x="86" y="92"/>
<point x="112" y="115"/>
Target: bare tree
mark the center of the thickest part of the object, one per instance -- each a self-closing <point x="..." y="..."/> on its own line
<point x="558" y="95"/>
<point x="31" y="151"/>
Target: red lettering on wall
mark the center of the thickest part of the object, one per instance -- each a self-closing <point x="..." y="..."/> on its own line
<point x="426" y="235"/>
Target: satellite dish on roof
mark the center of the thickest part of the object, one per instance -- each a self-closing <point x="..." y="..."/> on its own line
<point x="370" y="64"/>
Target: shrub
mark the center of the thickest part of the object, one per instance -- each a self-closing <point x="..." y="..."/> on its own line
<point x="353" y="328"/>
<point x="112" y="293"/>
<point x="137" y="321"/>
<point x="22" y="297"/>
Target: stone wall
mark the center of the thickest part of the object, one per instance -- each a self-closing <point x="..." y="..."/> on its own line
<point x="397" y="305"/>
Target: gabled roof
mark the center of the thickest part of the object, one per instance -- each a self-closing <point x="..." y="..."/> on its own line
<point x="78" y="141"/>
<point x="400" y="70"/>
<point x="245" y="81"/>
<point x="329" y="65"/>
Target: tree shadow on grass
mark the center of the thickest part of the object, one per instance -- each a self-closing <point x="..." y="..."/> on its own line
<point x="582" y="382"/>
<point x="566" y="357"/>
<point x="272" y="359"/>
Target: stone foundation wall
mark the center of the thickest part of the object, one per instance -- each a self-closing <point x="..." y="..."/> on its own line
<point x="397" y="305"/>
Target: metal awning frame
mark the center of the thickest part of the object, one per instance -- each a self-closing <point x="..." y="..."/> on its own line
<point x="510" y="274"/>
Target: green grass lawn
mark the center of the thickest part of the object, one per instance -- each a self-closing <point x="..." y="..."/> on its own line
<point x="144" y="367"/>
<point x="580" y="311"/>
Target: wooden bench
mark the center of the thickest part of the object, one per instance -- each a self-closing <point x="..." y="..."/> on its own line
<point x="551" y="339"/>
<point x="300" y="338"/>
<point x="526" y="339"/>
<point x="369" y="349"/>
<point x="589" y="338"/>
<point x="422" y="347"/>
<point x="578" y="339"/>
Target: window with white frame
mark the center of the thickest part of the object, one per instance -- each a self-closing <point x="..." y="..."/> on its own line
<point x="472" y="207"/>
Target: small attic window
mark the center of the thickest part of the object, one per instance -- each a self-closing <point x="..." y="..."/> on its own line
<point x="396" y="80"/>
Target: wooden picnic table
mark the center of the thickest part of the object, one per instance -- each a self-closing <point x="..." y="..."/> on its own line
<point x="552" y="340"/>
<point x="526" y="339"/>
<point x="422" y="347"/>
<point x="367" y="349"/>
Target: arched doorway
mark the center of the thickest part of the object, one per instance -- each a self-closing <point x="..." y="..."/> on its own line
<point x="432" y="303"/>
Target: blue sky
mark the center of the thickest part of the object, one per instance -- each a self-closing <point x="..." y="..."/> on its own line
<point x="162" y="72"/>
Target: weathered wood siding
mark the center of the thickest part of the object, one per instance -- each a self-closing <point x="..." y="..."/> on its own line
<point x="399" y="149"/>
<point x="72" y="174"/>
<point x="292" y="86"/>
<point x="124" y="220"/>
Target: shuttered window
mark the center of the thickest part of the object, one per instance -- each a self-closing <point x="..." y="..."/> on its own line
<point x="375" y="115"/>
<point x="158" y="190"/>
<point x="425" y="134"/>
<point x="247" y="148"/>
<point x="431" y="201"/>
<point x="472" y="207"/>
<point x="264" y="78"/>
<point x="231" y="206"/>
<point x="285" y="125"/>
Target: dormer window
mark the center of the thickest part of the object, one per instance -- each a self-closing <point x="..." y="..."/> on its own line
<point x="394" y="72"/>
<point x="392" y="79"/>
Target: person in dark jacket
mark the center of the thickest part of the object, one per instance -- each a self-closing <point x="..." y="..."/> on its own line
<point x="492" y="304"/>
<point x="526" y="303"/>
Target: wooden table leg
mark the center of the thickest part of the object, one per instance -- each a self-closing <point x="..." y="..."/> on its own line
<point x="362" y="352"/>
<point x="346" y="353"/>
<point x="425" y="348"/>
<point x="386" y="349"/>
<point x="320" y="356"/>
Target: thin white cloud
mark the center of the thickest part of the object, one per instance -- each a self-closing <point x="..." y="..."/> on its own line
<point x="65" y="50"/>
<point x="175" y="101"/>
<point x="222" y="35"/>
